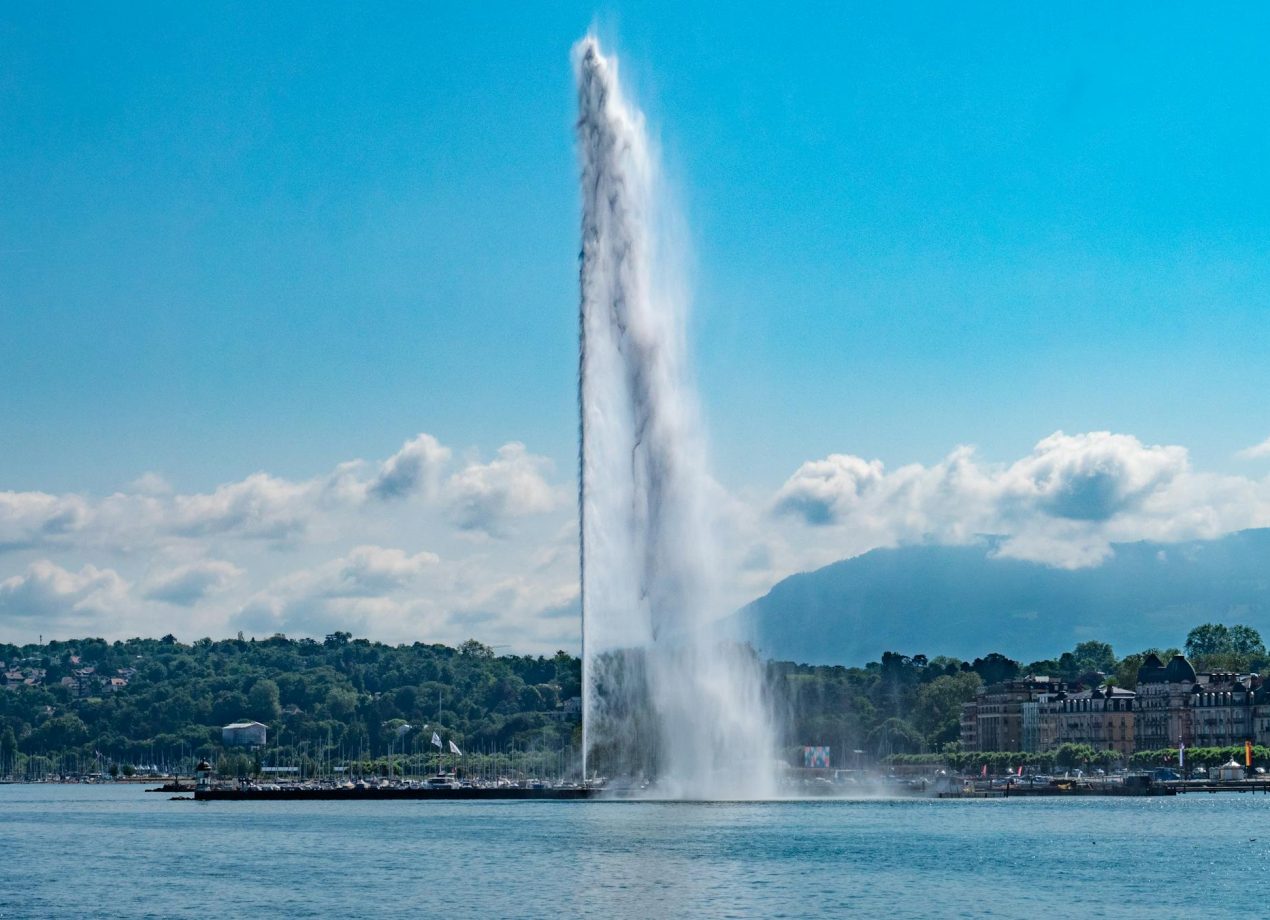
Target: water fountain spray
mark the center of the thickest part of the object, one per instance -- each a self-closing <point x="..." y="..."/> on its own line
<point x="666" y="696"/>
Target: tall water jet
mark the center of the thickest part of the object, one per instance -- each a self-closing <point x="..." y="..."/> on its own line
<point x="666" y="697"/>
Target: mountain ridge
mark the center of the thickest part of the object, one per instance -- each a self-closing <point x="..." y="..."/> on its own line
<point x="964" y="601"/>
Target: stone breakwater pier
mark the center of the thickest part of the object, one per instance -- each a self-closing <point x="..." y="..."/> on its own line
<point x="378" y="793"/>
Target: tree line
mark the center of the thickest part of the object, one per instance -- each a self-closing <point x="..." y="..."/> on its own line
<point x="353" y="700"/>
<point x="342" y="698"/>
<point x="911" y="705"/>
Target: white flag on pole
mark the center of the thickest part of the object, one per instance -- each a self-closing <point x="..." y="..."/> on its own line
<point x="436" y="739"/>
<point x="454" y="749"/>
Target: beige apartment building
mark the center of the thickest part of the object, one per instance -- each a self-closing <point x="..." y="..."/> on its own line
<point x="1101" y="717"/>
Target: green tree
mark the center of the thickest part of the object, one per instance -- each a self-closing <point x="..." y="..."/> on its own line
<point x="1215" y="646"/>
<point x="937" y="711"/>
<point x="8" y="749"/>
<point x="1094" y="656"/>
<point x="263" y="701"/>
<point x="1244" y="640"/>
<point x="895" y="736"/>
<point x="60" y="733"/>
<point x="1070" y="755"/>
<point x="995" y="668"/>
<point x="341" y="703"/>
<point x="474" y="649"/>
<point x="1208" y="639"/>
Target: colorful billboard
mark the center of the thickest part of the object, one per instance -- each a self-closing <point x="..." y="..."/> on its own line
<point x="816" y="758"/>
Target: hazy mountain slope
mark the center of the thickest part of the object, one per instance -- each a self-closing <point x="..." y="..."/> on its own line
<point x="959" y="600"/>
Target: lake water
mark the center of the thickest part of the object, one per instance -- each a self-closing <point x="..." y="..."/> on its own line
<point x="83" y="851"/>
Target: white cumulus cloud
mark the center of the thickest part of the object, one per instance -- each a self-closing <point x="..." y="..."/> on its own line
<point x="485" y="496"/>
<point x="259" y="506"/>
<point x="367" y="588"/>
<point x="33" y="518"/>
<point x="310" y="555"/>
<point x="1062" y="504"/>
<point x="822" y="491"/>
<point x="1255" y="452"/>
<point x="186" y="585"/>
<point x="415" y="468"/>
<point x="50" y="593"/>
<point x="1090" y="477"/>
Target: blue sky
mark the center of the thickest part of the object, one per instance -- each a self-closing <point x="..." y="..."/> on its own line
<point x="240" y="237"/>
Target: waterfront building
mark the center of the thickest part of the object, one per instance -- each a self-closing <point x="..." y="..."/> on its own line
<point x="1101" y="717"/>
<point x="1176" y="706"/>
<point x="1260" y="717"/>
<point x="1007" y="716"/>
<point x="244" y="734"/>
<point x="970" y="725"/>
<point x="1221" y="710"/>
<point x="1162" y="711"/>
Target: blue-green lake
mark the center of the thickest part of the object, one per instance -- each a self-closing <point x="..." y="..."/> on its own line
<point x="85" y="851"/>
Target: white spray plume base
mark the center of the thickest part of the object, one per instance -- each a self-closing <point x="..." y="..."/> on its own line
<point x="651" y="637"/>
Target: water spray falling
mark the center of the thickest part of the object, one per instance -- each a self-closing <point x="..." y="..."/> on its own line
<point x="665" y="697"/>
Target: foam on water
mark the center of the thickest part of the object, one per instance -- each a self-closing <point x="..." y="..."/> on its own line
<point x="666" y="696"/>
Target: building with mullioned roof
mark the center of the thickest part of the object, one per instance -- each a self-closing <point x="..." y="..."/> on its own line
<point x="1101" y="717"/>
<point x="1221" y="710"/>
<point x="1162" y="706"/>
<point x="1176" y="706"/>
<point x="1171" y="705"/>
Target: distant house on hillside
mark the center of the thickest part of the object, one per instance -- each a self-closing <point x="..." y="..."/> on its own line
<point x="243" y="734"/>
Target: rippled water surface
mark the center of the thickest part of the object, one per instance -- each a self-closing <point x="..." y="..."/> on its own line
<point x="81" y="851"/>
